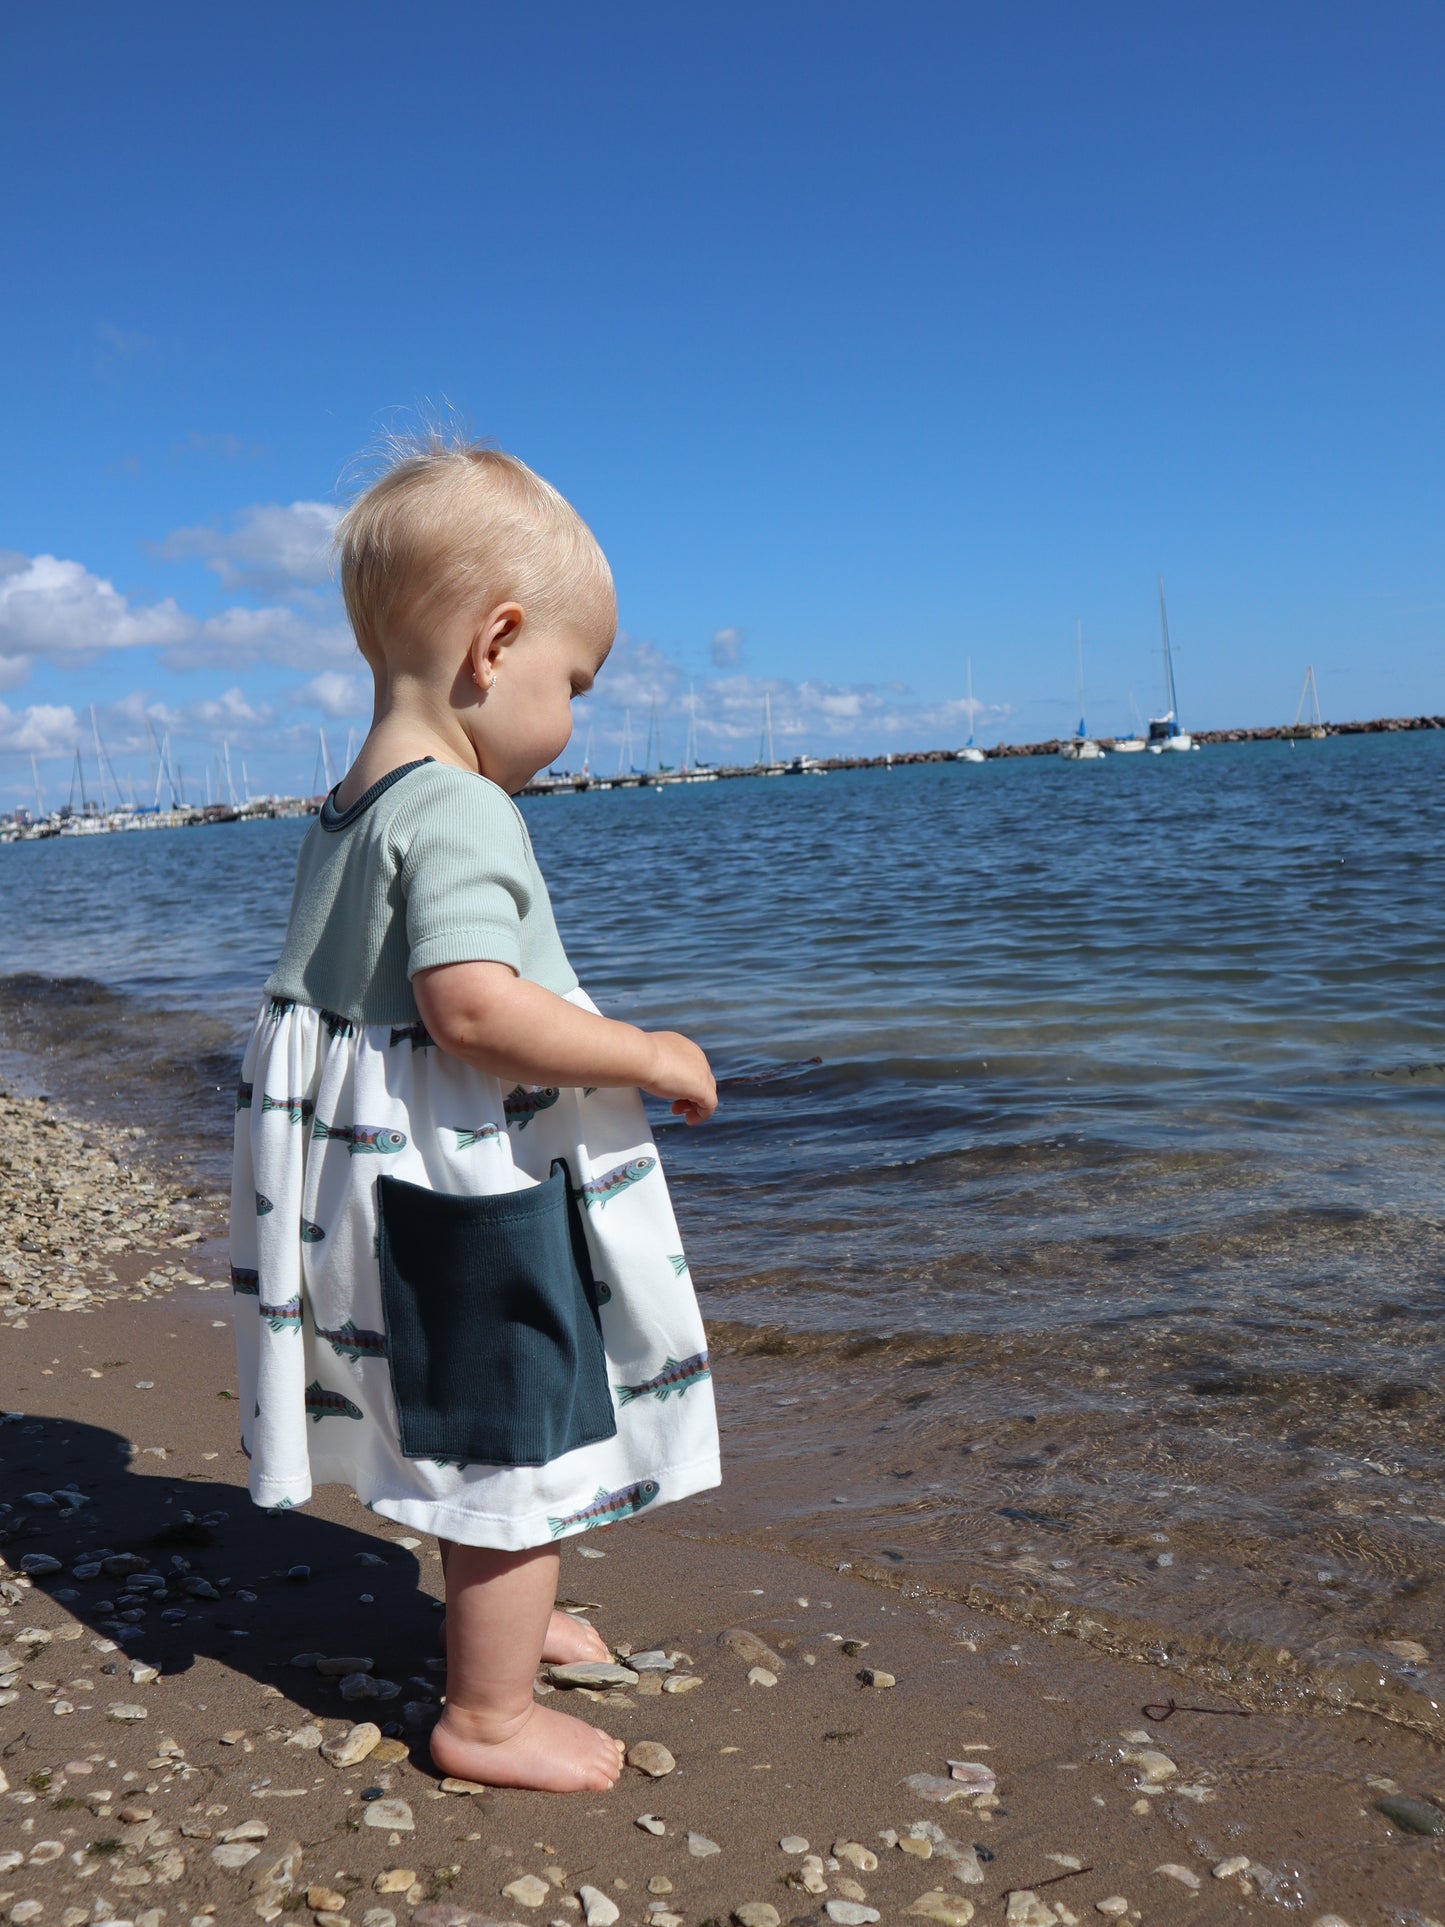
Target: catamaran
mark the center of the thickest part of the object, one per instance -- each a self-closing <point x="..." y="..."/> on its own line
<point x="1164" y="731"/>
<point x="1080" y="748"/>
<point x="969" y="754"/>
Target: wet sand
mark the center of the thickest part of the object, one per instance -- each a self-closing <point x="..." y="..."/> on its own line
<point x="128" y="1397"/>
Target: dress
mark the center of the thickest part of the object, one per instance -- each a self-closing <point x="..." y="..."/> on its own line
<point x="331" y="1107"/>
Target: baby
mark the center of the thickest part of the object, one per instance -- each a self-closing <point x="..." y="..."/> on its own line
<point x="458" y="1284"/>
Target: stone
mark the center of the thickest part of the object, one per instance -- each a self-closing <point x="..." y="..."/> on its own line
<point x="354" y="1745"/>
<point x="451" y="1784"/>
<point x="365" y="1686"/>
<point x="1408" y="1649"/>
<point x="933" y="1786"/>
<point x="389" y="1753"/>
<point x="950" y="1910"/>
<point x="875" y="1676"/>
<point x="650" y="1823"/>
<point x="1184" y="1875"/>
<point x="1025" y="1909"/>
<point x="328" y="1917"/>
<point x="653" y="1661"/>
<point x="1152" y="1766"/>
<point x="757" y="1913"/>
<point x="596" y="1673"/>
<point x="338" y="1668"/>
<point x="750" y="1649"/>
<point x="247" y="1830"/>
<point x="442" y="1913"/>
<point x="760" y="1676"/>
<point x="1331" y="1920"/>
<point x="24" y="1910"/>
<point x="527" y="1891"/>
<point x="1411" y="1816"/>
<point x="793" y="1843"/>
<point x="127" y="1715"/>
<point x="1236" y="1863"/>
<point x="308" y="1738"/>
<point x="681" y="1682"/>
<point x="850" y="1913"/>
<point x="973" y="1774"/>
<point x="38" y="1565"/>
<point x="44" y="1851"/>
<point x="848" y="1888"/>
<point x="920" y="1849"/>
<point x="325" y="1900"/>
<point x="651" y="1758"/>
<point x="598" y="1908"/>
<point x="234" y="1856"/>
<point x="700" y="1847"/>
<point x="394" y="1880"/>
<point x="856" y="1854"/>
<point x="1114" y="1908"/>
<point x="378" y="1917"/>
<point x="393" y="1814"/>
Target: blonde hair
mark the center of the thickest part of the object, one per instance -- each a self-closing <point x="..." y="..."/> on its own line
<point x="452" y="521"/>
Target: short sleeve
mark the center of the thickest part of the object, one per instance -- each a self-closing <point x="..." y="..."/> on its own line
<point x="466" y="877"/>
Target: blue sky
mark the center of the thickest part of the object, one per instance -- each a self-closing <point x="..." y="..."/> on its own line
<point x="867" y="339"/>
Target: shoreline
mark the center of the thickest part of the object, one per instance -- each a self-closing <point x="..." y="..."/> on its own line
<point x="139" y="1775"/>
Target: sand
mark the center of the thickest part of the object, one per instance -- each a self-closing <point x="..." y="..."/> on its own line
<point x="129" y="1398"/>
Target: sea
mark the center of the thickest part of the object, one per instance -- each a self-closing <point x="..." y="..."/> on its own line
<point x="1071" y="1230"/>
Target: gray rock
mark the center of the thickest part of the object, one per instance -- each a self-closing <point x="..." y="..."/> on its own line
<point x="850" y="1913"/>
<point x="793" y="1843"/>
<point x="378" y="1917"/>
<point x="592" y="1672"/>
<point x="933" y="1786"/>
<point x="127" y="1715"/>
<point x="650" y="1757"/>
<point x="441" y="1913"/>
<point x="653" y="1661"/>
<point x="700" y="1847"/>
<point x="973" y="1774"/>
<point x="353" y="1746"/>
<point x="527" y="1890"/>
<point x="750" y="1649"/>
<point x="39" y="1565"/>
<point x="598" y="1908"/>
<point x="234" y="1855"/>
<point x="394" y="1815"/>
<point x="1411" y="1816"/>
<point x="757" y="1913"/>
<point x="649" y="1823"/>
<point x="338" y="1668"/>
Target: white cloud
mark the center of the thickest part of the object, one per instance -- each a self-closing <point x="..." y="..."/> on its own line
<point x="727" y="648"/>
<point x="337" y="694"/>
<point x="14" y="670"/>
<point x="44" y="729"/>
<point x="50" y="607"/>
<point x="274" y="548"/>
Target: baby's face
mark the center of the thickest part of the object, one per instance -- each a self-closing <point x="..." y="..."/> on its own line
<point x="525" y="722"/>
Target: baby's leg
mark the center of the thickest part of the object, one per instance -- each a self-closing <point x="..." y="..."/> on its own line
<point x="567" y="1639"/>
<point x="492" y="1729"/>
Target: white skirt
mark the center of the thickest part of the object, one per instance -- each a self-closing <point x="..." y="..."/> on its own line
<point x="324" y="1108"/>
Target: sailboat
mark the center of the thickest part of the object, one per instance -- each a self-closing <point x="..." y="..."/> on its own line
<point x="1164" y="731"/>
<point x="692" y="770"/>
<point x="1080" y="748"/>
<point x="968" y="754"/>
<point x="1301" y="730"/>
<point x="767" y="763"/>
<point x="1135" y="742"/>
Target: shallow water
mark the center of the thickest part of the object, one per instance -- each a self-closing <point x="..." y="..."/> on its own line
<point x="1099" y="1264"/>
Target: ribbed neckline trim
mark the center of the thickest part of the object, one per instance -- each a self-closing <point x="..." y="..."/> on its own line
<point x="331" y="818"/>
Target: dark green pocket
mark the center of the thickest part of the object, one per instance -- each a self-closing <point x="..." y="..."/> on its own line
<point x="491" y="1323"/>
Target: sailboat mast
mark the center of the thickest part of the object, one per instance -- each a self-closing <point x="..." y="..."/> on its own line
<point x="1170" y="699"/>
<point x="35" y="773"/>
<point x="970" y="702"/>
<point x="99" y="759"/>
<point x="1079" y="635"/>
<point x="768" y="725"/>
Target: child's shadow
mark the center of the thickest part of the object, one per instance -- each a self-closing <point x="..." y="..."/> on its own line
<point x="212" y="1547"/>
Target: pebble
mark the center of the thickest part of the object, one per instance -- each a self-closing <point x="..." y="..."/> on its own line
<point x="920" y="1849"/>
<point x="395" y="1814"/>
<point x="353" y="1746"/>
<point x="364" y="1686"/>
<point x="793" y="1843"/>
<point x="933" y="1786"/>
<point x="248" y="1830"/>
<point x="1153" y="1767"/>
<point x="453" y="1785"/>
<point x="528" y="1891"/>
<point x="1408" y="1649"/>
<point x="757" y="1913"/>
<point x="126" y="1715"/>
<point x="750" y="1649"/>
<point x="1236" y="1863"/>
<point x="950" y="1910"/>
<point x="650" y="1823"/>
<point x="857" y="1855"/>
<point x="1184" y="1875"/>
<point x="700" y="1847"/>
<point x="335" y="1668"/>
<point x="39" y="1565"/>
<point x="650" y="1757"/>
<point x="875" y="1676"/>
<point x="1412" y="1816"/>
<point x="652" y="1661"/>
<point x="598" y="1909"/>
<point x="760" y="1676"/>
<point x="234" y="1856"/>
<point x="850" y="1913"/>
<point x="1114" y="1908"/>
<point x="307" y="1737"/>
<point x="389" y="1753"/>
<point x="378" y="1917"/>
<point x="24" y="1910"/>
<point x="325" y="1900"/>
<point x="394" y="1880"/>
<point x="1324" y="1920"/>
<point x="972" y="1774"/>
<point x="592" y="1672"/>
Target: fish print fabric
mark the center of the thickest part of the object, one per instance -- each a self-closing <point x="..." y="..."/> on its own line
<point x="322" y="1109"/>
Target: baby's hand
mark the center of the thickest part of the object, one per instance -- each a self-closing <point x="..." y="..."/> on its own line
<point x="680" y="1071"/>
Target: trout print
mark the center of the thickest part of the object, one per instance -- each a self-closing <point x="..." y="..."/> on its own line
<point x="608" y="1506"/>
<point x="481" y="1135"/>
<point x="247" y="1284"/>
<point x="322" y="1404"/>
<point x="311" y="1234"/>
<point x="351" y="1341"/>
<point x="414" y="1034"/>
<point x="283" y="1318"/>
<point x="363" y="1137"/>
<point x="676" y="1375"/>
<point x="298" y="1109"/>
<point x="521" y="1106"/>
<point x="600" y="1191"/>
<point x="264" y="1206"/>
<point x="678" y="1263"/>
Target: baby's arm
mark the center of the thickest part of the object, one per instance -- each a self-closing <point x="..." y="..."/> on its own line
<point x="523" y="1034"/>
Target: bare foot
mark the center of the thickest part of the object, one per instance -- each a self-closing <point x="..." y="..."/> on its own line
<point x="551" y="1752"/>
<point x="567" y="1641"/>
